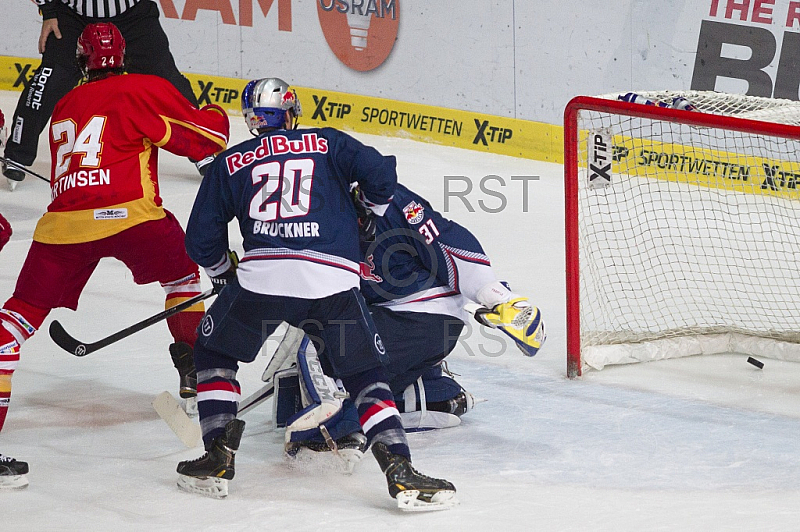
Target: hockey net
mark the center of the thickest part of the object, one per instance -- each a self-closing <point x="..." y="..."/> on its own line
<point x="682" y="228"/>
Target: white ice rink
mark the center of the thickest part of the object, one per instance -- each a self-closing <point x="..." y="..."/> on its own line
<point x="704" y="443"/>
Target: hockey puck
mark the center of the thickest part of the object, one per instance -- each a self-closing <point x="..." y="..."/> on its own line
<point x="756" y="363"/>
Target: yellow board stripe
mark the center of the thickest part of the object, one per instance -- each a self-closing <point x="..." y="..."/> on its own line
<point x="375" y="116"/>
<point x="707" y="168"/>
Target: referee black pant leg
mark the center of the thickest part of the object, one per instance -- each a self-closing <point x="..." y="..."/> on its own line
<point x="147" y="47"/>
<point x="57" y="74"/>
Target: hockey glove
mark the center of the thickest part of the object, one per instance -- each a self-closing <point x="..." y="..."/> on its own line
<point x="367" y="224"/>
<point x="220" y="281"/>
<point x="518" y="319"/>
<point x="203" y="164"/>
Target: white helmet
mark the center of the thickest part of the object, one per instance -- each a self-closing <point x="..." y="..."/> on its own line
<point x="265" y="102"/>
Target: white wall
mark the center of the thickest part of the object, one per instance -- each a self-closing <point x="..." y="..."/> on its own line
<point x="513" y="58"/>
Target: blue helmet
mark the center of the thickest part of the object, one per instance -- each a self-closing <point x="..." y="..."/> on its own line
<point x="265" y="102"/>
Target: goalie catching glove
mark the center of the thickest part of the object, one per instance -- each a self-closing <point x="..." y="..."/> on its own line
<point x="520" y="320"/>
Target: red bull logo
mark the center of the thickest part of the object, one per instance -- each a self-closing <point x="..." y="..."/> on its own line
<point x="288" y="97"/>
<point x="366" y="268"/>
<point x="414" y="212"/>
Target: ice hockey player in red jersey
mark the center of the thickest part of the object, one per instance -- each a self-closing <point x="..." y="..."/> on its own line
<point x="104" y="141"/>
<point x="13" y="473"/>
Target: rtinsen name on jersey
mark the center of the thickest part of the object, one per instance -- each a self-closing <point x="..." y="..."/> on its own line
<point x="276" y="145"/>
<point x="81" y="178"/>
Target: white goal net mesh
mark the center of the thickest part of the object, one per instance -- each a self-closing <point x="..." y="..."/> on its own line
<point x="693" y="246"/>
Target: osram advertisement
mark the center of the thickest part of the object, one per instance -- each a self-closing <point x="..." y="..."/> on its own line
<point x="469" y="73"/>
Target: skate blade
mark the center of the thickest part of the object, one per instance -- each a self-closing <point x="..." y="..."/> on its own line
<point x="12" y="184"/>
<point x="13" y="482"/>
<point x="306" y="459"/>
<point x="190" y="406"/>
<point x="409" y="501"/>
<point x="216" y="488"/>
<point x="429" y="420"/>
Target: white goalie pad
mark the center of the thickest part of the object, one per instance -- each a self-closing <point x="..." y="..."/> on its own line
<point x="216" y="488"/>
<point x="428" y="420"/>
<point x="409" y="501"/>
<point x="285" y="352"/>
<point x="417" y="417"/>
<point x="320" y="397"/>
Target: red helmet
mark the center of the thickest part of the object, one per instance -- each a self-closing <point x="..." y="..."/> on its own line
<point x="100" y="47"/>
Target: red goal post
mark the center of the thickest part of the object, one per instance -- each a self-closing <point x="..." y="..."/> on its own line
<point x="682" y="228"/>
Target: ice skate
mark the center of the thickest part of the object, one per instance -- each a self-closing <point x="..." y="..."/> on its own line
<point x="13" y="473"/>
<point x="13" y="171"/>
<point x="347" y="450"/>
<point x="183" y="360"/>
<point x="414" y="491"/>
<point x="458" y="406"/>
<point x="209" y="474"/>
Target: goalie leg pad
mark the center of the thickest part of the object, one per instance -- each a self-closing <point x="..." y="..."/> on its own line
<point x="417" y="417"/>
<point x="312" y="407"/>
<point x="320" y="396"/>
<point x="436" y="389"/>
<point x="288" y="401"/>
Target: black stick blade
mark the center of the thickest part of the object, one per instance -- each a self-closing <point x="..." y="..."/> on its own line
<point x="66" y="342"/>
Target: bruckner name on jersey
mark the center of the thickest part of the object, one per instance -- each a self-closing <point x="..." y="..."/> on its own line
<point x="286" y="229"/>
<point x="277" y="145"/>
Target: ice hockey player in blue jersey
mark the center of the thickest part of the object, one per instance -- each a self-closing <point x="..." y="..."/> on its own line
<point x="289" y="189"/>
<point x="418" y="275"/>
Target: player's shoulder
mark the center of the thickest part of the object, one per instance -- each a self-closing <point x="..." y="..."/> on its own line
<point x="403" y="194"/>
<point x="150" y="81"/>
<point x="332" y="133"/>
<point x="410" y="206"/>
<point x="234" y="157"/>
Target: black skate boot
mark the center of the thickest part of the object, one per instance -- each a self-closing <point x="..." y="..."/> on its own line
<point x="458" y="405"/>
<point x="413" y="490"/>
<point x="209" y="474"/>
<point x="13" y="170"/>
<point x="12" y="473"/>
<point x="181" y="353"/>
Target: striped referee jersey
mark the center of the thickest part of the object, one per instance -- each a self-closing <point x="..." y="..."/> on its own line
<point x="94" y="8"/>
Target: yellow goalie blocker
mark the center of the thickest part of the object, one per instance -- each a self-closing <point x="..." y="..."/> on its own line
<point x="520" y="320"/>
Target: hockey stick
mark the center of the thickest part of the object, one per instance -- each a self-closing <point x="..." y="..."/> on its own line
<point x="69" y="344"/>
<point x="187" y="430"/>
<point x="256" y="398"/>
<point x="17" y="166"/>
